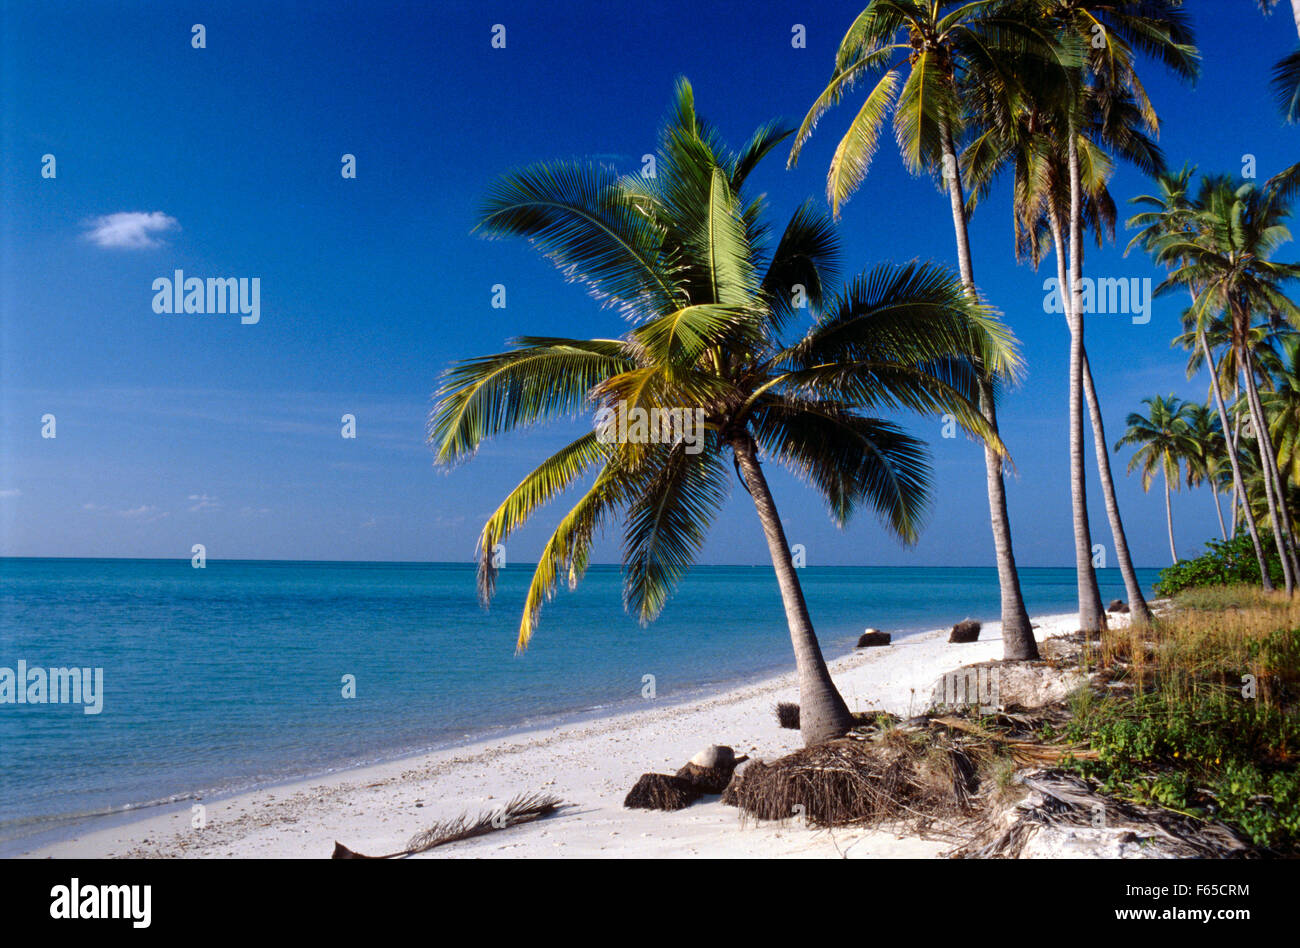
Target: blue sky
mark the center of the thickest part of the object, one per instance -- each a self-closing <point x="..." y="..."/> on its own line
<point x="174" y="430"/>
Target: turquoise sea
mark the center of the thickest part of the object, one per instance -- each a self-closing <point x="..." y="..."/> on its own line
<point x="232" y="676"/>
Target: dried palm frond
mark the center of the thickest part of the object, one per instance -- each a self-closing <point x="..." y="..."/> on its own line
<point x="522" y="809"/>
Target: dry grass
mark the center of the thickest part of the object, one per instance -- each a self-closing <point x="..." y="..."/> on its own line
<point x="1210" y="631"/>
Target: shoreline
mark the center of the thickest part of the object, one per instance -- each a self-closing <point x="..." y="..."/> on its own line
<point x="591" y="763"/>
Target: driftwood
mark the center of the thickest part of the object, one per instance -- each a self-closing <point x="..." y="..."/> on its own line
<point x="522" y="809"/>
<point x="1062" y="800"/>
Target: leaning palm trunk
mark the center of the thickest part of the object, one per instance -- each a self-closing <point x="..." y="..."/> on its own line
<point x="1218" y="509"/>
<point x="1268" y="465"/>
<point x="1017" y="633"/>
<point x="1169" y="519"/>
<point x="1238" y="482"/>
<point x="1139" y="611"/>
<point x="823" y="715"/>
<point x="1091" y="616"/>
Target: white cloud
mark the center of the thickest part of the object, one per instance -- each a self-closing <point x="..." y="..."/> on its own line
<point x="130" y="230"/>
<point x="204" y="502"/>
<point x="10" y="492"/>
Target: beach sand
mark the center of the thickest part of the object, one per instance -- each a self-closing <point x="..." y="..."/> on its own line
<point x="590" y="764"/>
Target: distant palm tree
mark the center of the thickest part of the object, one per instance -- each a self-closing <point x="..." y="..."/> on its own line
<point x="1225" y="258"/>
<point x="681" y="255"/>
<point x="926" y="54"/>
<point x="1207" y="454"/>
<point x="1170" y="214"/>
<point x="1162" y="436"/>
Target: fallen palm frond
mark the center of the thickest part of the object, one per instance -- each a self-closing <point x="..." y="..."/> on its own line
<point x="522" y="809"/>
<point x="1060" y="800"/>
<point x="1021" y="751"/>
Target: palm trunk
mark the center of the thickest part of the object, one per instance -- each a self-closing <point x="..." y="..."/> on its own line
<point x="823" y="714"/>
<point x="1238" y="490"/>
<point x="1169" y="519"/>
<point x="1295" y="13"/>
<point x="1017" y="633"/>
<point x="1218" y="509"/>
<point x="1091" y="616"/>
<point x="1268" y="463"/>
<point x="1238" y="482"/>
<point x="1139" y="611"/>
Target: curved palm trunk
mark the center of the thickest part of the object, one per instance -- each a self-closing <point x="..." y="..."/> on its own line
<point x="1091" y="616"/>
<point x="823" y="714"/>
<point x="1238" y="482"/>
<point x="1218" y="509"/>
<point x="1139" y="611"/>
<point x="1268" y="464"/>
<point x="1018" y="641"/>
<point x="1169" y="519"/>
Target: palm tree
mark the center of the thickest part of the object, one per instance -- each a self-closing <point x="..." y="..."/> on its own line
<point x="1206" y="456"/>
<point x="1162" y="436"/>
<point x="1031" y="144"/>
<point x="925" y="52"/>
<point x="681" y="256"/>
<point x="1172" y="211"/>
<point x="1282" y="407"/>
<point x="1286" y="74"/>
<point x="1225" y="257"/>
<point x="1105" y="92"/>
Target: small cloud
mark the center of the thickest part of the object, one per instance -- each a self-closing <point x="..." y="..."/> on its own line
<point x="147" y="513"/>
<point x="10" y="492"/>
<point x="130" y="230"/>
<point x="204" y="502"/>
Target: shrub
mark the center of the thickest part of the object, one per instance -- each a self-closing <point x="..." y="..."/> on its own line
<point x="1226" y="563"/>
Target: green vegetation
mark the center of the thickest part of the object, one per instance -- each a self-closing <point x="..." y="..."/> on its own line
<point x="1225" y="563"/>
<point x="1206" y="716"/>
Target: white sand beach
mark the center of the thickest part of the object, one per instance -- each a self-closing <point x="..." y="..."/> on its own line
<point x="592" y="765"/>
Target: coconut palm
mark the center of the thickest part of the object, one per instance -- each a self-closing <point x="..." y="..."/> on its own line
<point x="1207" y="454"/>
<point x="682" y="256"/>
<point x="925" y="53"/>
<point x="1225" y="257"/>
<point x="1171" y="211"/>
<point x="1282" y="407"/>
<point x="1104" y="90"/>
<point x="1162" y="437"/>
<point x="1031" y="145"/>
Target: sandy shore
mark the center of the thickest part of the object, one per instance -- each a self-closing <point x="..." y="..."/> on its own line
<point x="591" y="765"/>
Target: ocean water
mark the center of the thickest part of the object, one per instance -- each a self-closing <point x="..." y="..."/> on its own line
<point x="229" y="677"/>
